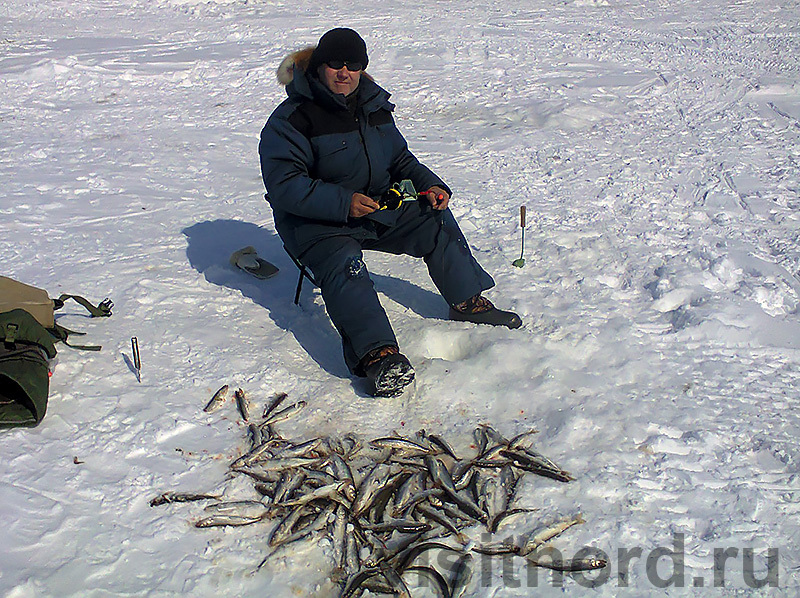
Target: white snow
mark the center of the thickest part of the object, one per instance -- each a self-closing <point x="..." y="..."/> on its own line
<point x="655" y="146"/>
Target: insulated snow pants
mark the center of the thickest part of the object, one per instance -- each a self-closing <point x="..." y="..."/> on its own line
<point x="350" y="298"/>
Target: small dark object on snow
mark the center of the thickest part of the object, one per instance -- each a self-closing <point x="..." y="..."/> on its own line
<point x="519" y="263"/>
<point x="137" y="361"/>
<point x="247" y="260"/>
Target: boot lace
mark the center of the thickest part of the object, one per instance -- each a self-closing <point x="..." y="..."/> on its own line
<point x="474" y="305"/>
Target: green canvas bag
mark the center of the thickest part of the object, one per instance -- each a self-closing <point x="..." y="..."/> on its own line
<point x="15" y="294"/>
<point x="28" y="331"/>
<point x="25" y="352"/>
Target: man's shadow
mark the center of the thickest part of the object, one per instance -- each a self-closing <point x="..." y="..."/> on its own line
<point x="210" y="245"/>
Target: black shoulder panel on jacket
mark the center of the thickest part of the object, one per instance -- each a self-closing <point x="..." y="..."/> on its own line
<point x="312" y="121"/>
<point x="380" y="117"/>
<point x="299" y="121"/>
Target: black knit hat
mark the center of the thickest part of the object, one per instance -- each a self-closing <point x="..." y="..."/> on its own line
<point x="339" y="44"/>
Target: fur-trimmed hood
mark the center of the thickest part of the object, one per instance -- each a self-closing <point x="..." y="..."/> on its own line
<point x="319" y="147"/>
<point x="299" y="60"/>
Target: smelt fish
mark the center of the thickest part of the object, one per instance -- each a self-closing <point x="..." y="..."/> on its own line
<point x="276" y="400"/>
<point x="242" y="404"/>
<point x="223" y="520"/>
<point x="284" y="414"/>
<point x="460" y="575"/>
<point x="369" y="487"/>
<point x="548" y="534"/>
<point x="256" y="436"/>
<point x="400" y="444"/>
<point x="437" y="578"/>
<point x="589" y="564"/>
<point x="217" y="400"/>
<point x="440" y="442"/>
<point x="240" y="508"/>
<point x="169" y="497"/>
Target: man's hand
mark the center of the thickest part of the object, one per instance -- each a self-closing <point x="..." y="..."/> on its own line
<point x="438" y="197"/>
<point x="361" y="205"/>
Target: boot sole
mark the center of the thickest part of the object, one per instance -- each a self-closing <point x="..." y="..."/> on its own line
<point x="394" y="380"/>
<point x="492" y="317"/>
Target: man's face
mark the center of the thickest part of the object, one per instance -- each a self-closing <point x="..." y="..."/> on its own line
<point x="340" y="80"/>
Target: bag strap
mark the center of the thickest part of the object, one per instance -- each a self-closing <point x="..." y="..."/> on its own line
<point x="60" y="333"/>
<point x="101" y="310"/>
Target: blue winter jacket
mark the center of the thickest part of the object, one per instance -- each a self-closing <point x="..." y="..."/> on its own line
<point x="318" y="148"/>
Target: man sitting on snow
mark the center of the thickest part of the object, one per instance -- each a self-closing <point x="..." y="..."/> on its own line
<point x="326" y="152"/>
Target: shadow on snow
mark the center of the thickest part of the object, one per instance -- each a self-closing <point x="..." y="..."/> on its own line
<point x="210" y="245"/>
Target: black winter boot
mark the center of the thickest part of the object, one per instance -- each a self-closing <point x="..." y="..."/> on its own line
<point x="388" y="371"/>
<point x="480" y="310"/>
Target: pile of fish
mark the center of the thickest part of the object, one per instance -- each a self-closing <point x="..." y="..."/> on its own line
<point x="385" y="502"/>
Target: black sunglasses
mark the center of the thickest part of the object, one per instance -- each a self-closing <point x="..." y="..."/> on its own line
<point x="351" y="66"/>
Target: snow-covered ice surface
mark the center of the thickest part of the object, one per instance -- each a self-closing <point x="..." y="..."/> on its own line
<point x="655" y="145"/>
